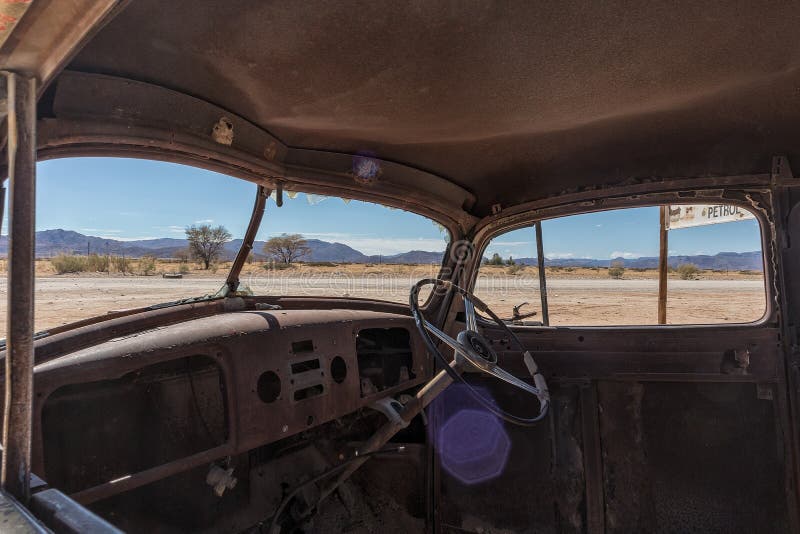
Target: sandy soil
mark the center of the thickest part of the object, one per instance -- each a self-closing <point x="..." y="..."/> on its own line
<point x="575" y="298"/>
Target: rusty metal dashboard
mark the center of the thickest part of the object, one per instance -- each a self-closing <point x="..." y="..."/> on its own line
<point x="211" y="387"/>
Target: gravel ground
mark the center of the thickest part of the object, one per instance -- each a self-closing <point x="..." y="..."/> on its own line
<point x="63" y="299"/>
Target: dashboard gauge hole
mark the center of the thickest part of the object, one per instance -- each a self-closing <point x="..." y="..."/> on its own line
<point x="307" y="393"/>
<point x="338" y="369"/>
<point x="268" y="387"/>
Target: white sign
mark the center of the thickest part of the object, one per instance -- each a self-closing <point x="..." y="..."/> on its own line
<point x="686" y="216"/>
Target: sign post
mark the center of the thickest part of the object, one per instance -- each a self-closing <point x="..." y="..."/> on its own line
<point x="663" y="251"/>
<point x="688" y="216"/>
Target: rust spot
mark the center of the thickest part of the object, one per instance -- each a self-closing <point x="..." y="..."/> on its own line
<point x="271" y="150"/>
<point x="222" y="132"/>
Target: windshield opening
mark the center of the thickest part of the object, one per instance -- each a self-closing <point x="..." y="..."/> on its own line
<point x="328" y="246"/>
<point x="116" y="234"/>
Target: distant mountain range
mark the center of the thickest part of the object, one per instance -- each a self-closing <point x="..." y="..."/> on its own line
<point x="52" y="242"/>
<point x="731" y="261"/>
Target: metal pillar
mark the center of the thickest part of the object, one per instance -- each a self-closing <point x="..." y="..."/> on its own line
<point x="663" y="253"/>
<point x="262" y="194"/>
<point x="542" y="275"/>
<point x="18" y="409"/>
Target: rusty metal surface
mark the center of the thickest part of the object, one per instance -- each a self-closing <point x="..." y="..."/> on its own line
<point x="18" y="414"/>
<point x="651" y="428"/>
<point x="592" y="460"/>
<point x="691" y="457"/>
<point x="505" y="112"/>
<point x="245" y="344"/>
<point x="232" y="281"/>
<point x="141" y="122"/>
<point x="10" y="13"/>
<point x="540" y="489"/>
<point x="663" y="354"/>
<point x="39" y="37"/>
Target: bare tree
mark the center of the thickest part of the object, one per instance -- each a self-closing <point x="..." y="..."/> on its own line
<point x="206" y="242"/>
<point x="286" y="248"/>
<point x="183" y="255"/>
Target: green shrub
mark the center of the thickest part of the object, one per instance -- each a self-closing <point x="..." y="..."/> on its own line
<point x="67" y="263"/>
<point x="323" y="264"/>
<point x="183" y="268"/>
<point x="688" y="271"/>
<point x="147" y="265"/>
<point x="616" y="271"/>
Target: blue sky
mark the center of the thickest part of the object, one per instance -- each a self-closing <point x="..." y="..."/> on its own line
<point x="628" y="233"/>
<point x="130" y="199"/>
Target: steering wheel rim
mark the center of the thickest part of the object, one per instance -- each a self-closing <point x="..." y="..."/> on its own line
<point x="472" y="347"/>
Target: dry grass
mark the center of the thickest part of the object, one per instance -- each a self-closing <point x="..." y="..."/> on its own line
<point x="44" y="267"/>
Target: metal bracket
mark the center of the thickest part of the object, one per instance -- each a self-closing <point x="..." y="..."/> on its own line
<point x="391" y="409"/>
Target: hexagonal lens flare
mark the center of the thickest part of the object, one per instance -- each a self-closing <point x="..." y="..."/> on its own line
<point x="471" y="442"/>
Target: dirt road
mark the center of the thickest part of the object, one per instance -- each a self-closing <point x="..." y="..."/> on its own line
<point x="64" y="299"/>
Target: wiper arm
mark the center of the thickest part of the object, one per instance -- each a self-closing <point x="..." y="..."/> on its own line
<point x="232" y="282"/>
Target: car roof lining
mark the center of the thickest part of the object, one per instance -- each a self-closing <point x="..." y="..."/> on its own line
<point x="511" y="103"/>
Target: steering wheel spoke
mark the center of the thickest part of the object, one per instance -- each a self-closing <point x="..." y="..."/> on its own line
<point x="469" y="312"/>
<point x="507" y="377"/>
<point x="452" y="343"/>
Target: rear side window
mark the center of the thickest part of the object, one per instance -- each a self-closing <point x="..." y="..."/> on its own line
<point x="602" y="269"/>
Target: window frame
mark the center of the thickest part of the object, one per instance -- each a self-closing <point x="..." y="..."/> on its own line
<point x="527" y="219"/>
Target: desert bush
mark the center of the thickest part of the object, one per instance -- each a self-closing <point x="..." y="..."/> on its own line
<point x="688" y="271"/>
<point x="277" y="266"/>
<point x="183" y="268"/>
<point x="324" y="264"/>
<point x="748" y="271"/>
<point x="121" y="264"/>
<point x="67" y="263"/>
<point x="96" y="263"/>
<point x="147" y="265"/>
<point x="514" y="269"/>
<point x="616" y="271"/>
<point x="569" y="269"/>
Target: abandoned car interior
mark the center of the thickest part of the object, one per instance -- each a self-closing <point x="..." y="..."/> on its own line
<point x="445" y="408"/>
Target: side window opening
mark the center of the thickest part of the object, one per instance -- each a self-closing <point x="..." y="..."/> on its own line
<point x="602" y="268"/>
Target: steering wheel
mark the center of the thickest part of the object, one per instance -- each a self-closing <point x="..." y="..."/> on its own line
<point x="472" y="347"/>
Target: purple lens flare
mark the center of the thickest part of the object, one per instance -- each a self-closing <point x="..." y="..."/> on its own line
<point x="472" y="443"/>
